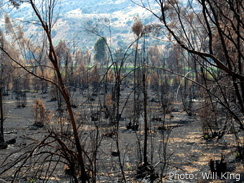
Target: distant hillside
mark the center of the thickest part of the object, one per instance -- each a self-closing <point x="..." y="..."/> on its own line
<point x="75" y="15"/>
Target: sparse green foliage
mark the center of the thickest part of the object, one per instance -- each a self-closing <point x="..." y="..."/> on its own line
<point x="100" y="48"/>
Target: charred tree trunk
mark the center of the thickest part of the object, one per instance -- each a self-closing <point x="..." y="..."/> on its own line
<point x="63" y="90"/>
<point x="145" y="115"/>
<point x="135" y="121"/>
<point x="1" y="111"/>
<point x="1" y="103"/>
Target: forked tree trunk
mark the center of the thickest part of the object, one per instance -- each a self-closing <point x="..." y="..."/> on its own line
<point x="54" y="60"/>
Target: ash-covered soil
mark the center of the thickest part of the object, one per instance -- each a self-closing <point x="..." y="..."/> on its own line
<point x="187" y="152"/>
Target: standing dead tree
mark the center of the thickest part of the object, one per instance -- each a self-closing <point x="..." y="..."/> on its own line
<point x="47" y="23"/>
<point x="1" y="98"/>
